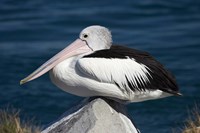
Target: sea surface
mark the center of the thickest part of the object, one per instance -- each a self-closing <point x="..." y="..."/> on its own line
<point x="33" y="31"/>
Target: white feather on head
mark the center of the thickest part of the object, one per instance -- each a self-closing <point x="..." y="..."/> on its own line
<point x="97" y="37"/>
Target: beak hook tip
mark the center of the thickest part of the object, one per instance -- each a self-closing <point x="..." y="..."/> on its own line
<point x="22" y="82"/>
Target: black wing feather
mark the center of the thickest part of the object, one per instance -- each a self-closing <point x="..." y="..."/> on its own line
<point x="160" y="78"/>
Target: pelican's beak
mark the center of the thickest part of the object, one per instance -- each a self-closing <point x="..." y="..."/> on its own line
<point x="77" y="47"/>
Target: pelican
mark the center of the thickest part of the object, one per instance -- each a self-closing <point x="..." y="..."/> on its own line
<point x="92" y="66"/>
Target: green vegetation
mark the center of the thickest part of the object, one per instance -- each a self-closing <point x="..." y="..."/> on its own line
<point x="10" y="123"/>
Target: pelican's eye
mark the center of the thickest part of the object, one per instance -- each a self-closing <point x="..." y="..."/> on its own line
<point x="85" y="35"/>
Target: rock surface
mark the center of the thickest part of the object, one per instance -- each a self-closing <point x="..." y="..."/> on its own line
<point x="94" y="116"/>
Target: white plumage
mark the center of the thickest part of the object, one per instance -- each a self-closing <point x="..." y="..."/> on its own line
<point x="114" y="70"/>
<point x="90" y="79"/>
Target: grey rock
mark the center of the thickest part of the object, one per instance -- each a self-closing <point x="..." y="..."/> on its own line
<point x="94" y="116"/>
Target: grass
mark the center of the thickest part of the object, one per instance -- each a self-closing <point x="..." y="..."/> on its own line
<point x="193" y="124"/>
<point x="10" y="123"/>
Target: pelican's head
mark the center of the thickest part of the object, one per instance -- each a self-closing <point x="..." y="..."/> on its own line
<point x="91" y="39"/>
<point x="97" y="37"/>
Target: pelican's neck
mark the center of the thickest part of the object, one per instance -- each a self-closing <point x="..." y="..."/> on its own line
<point x="66" y="67"/>
<point x="66" y="64"/>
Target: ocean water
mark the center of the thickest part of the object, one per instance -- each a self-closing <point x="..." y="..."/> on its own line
<point x="33" y="31"/>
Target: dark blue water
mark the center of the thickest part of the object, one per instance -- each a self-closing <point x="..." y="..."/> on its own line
<point x="33" y="31"/>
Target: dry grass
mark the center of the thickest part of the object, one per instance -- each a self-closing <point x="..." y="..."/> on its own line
<point x="10" y="123"/>
<point x="193" y="124"/>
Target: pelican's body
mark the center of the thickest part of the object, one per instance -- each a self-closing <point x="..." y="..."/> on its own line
<point x="78" y="83"/>
<point x="92" y="67"/>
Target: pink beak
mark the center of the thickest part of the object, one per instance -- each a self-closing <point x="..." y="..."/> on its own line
<point x="76" y="48"/>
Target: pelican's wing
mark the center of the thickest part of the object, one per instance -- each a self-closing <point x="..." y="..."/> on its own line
<point x="128" y="69"/>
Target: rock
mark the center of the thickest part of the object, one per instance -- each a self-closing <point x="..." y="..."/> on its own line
<point x="94" y="116"/>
